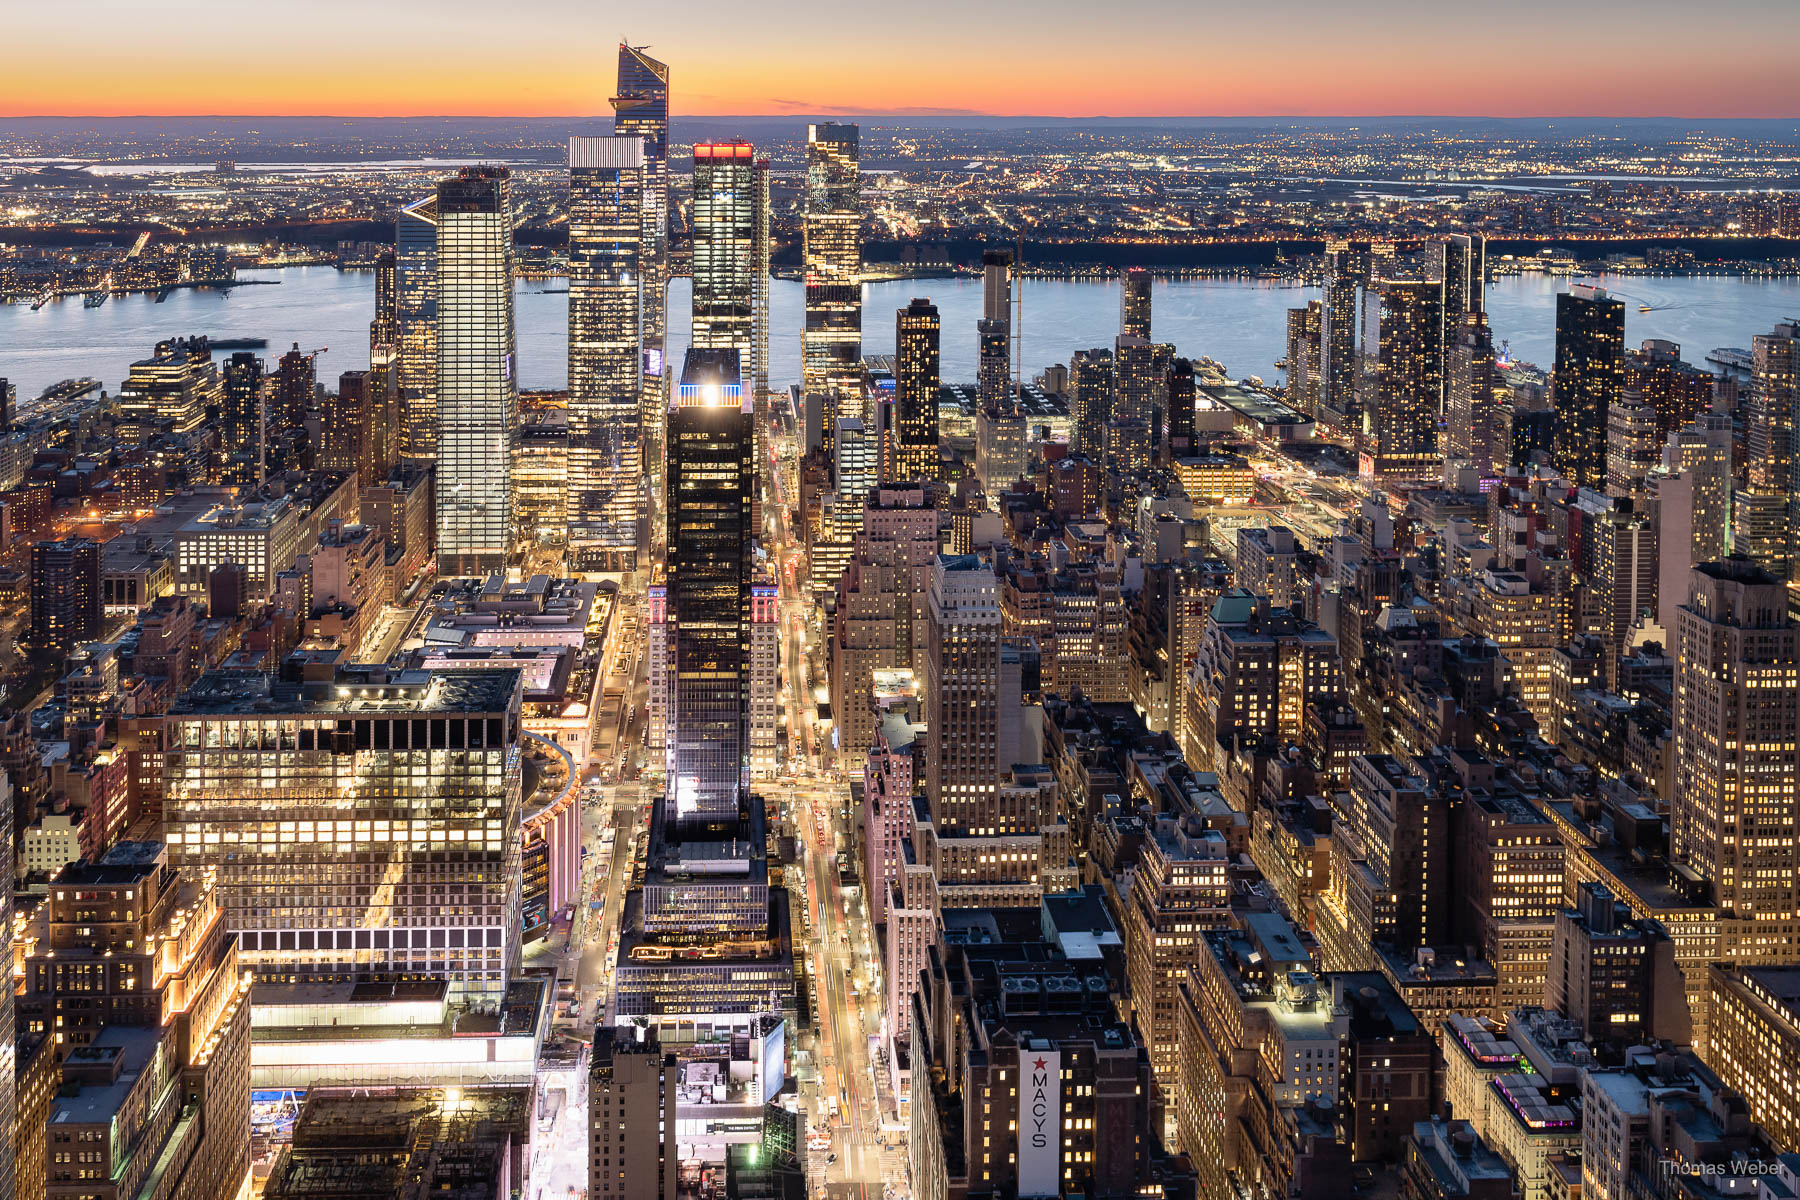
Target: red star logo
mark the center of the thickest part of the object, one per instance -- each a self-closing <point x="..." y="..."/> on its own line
<point x="1039" y="1064"/>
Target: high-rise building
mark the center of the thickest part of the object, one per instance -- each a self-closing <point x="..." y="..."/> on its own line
<point x="1589" y="380"/>
<point x="1737" y="705"/>
<point x="963" y="698"/>
<point x="294" y="384"/>
<point x="1255" y="671"/>
<point x="831" y="254"/>
<point x="65" y="593"/>
<point x="725" y="225"/>
<point x="384" y="330"/>
<point x="641" y="110"/>
<point x="357" y="421"/>
<point x="761" y="247"/>
<point x="177" y="385"/>
<point x="1678" y="390"/>
<point x="1179" y="441"/>
<point x="993" y="369"/>
<point x="1134" y="304"/>
<point x="1140" y="385"/>
<point x="1691" y="498"/>
<point x="1350" y="267"/>
<point x="241" y="419"/>
<point x="916" y="384"/>
<point x="477" y="381"/>
<point x="607" y="288"/>
<point x="1460" y="262"/>
<point x="1632" y="446"/>
<point x="1403" y="344"/>
<point x="1305" y="356"/>
<point x="1764" y="510"/>
<point x="416" y="287"/>
<point x="133" y="970"/>
<point x="424" y="762"/>
<point x="711" y="474"/>
<point x="17" y="1137"/>
<point x="1474" y="397"/>
<point x="631" y="1117"/>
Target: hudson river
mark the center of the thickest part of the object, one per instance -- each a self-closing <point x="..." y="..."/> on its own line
<point x="1240" y="323"/>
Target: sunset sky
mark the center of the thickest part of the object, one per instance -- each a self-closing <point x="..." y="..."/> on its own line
<point x="1726" y="58"/>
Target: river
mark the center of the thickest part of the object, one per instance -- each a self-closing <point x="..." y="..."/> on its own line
<point x="1239" y="322"/>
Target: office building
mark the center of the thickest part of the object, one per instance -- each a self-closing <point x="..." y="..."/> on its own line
<point x="1679" y="391"/>
<point x="709" y="575"/>
<point x="65" y="593"/>
<point x="1613" y="973"/>
<point x="1753" y="1042"/>
<point x="1255" y="670"/>
<point x="130" y="966"/>
<point x="416" y="287"/>
<point x="1691" y="499"/>
<point x="607" y="291"/>
<point x="963" y="695"/>
<point x="1090" y="385"/>
<point x="1134" y="304"/>
<point x="831" y="256"/>
<point x="1140" y="396"/>
<point x="1402" y="382"/>
<point x="1764" y="509"/>
<point x="379" y="798"/>
<point x="291" y="391"/>
<point x="175" y="387"/>
<point x="1589" y="380"/>
<point x="916" y="383"/>
<point x="1179" y="434"/>
<point x="358" y="423"/>
<point x="477" y="379"/>
<point x="632" y="1146"/>
<point x="1737" y="705"/>
<point x="641" y="110"/>
<point x="725" y="224"/>
<point x="384" y="330"/>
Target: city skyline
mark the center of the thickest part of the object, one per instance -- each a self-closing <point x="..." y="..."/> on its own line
<point x="1353" y="63"/>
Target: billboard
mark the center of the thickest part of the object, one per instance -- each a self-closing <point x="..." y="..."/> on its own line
<point x="1040" y="1122"/>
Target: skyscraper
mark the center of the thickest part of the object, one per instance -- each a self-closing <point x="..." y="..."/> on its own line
<point x="1460" y="261"/>
<point x="1305" y="364"/>
<point x="831" y="340"/>
<point x="711" y="474"/>
<point x="1090" y="387"/>
<point x="1403" y="367"/>
<point x="641" y="109"/>
<point x="241" y="421"/>
<point x="1589" y="380"/>
<point x="295" y="381"/>
<point x="1764" y="510"/>
<point x="1134" y="304"/>
<point x="963" y="694"/>
<point x="1180" y="389"/>
<point x="1737" y="705"/>
<point x="994" y="330"/>
<point x="632" y="1136"/>
<point x="415" y="285"/>
<point x="1473" y="394"/>
<point x="385" y="328"/>
<point x="65" y="593"/>
<point x="477" y="385"/>
<point x="606" y="298"/>
<point x="916" y="383"/>
<point x="725" y="224"/>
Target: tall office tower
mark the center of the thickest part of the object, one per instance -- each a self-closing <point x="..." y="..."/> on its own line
<point x="1140" y="375"/>
<point x="133" y="969"/>
<point x="9" y="405"/>
<point x="963" y="685"/>
<point x="477" y="384"/>
<point x="1691" y="497"/>
<point x="1134" y="304"/>
<point x="241" y="419"/>
<point x="425" y="762"/>
<point x="1256" y="668"/>
<point x="1678" y="390"/>
<point x="1737" y="704"/>
<point x="1305" y="356"/>
<point x="357" y="423"/>
<point x="1403" y="371"/>
<point x="1091" y="385"/>
<point x="1589" y="380"/>
<point x="725" y="222"/>
<point x="381" y="441"/>
<point x="384" y="330"/>
<point x="65" y="593"/>
<point x="1472" y="416"/>
<point x="631" y="1116"/>
<point x="1179" y="389"/>
<point x="994" y="330"/>
<point x="760" y="250"/>
<point x="1460" y="262"/>
<point x="416" y="287"/>
<point x="1632" y="447"/>
<point x="831" y="254"/>
<point x="607" y="283"/>
<point x="641" y="110"/>
<point x="1337" y="337"/>
<point x="916" y="384"/>
<point x="709" y="560"/>
<point x="1764" y="509"/>
<point x="295" y="382"/>
<point x="341" y="417"/>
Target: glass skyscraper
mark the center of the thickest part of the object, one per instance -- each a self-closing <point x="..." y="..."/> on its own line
<point x="606" y="299"/>
<point x="1589" y="380"/>
<point x="641" y="110"/>
<point x="831" y="341"/>
<point x="477" y="385"/>
<point x="415" y="318"/>
<point x="711" y="476"/>
<point x="725" y="223"/>
<point x="916" y="384"/>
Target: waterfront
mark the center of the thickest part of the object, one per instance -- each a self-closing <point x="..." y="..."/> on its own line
<point x="1242" y="323"/>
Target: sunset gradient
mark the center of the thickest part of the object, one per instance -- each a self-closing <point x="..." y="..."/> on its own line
<point x="1069" y="58"/>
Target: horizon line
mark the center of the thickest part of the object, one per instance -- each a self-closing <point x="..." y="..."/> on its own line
<point x="942" y="114"/>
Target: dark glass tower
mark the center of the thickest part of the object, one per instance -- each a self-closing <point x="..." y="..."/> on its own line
<point x="917" y="332"/>
<point x="241" y="432"/>
<point x="1134" y="304"/>
<point x="711" y="477"/>
<point x="1589" y="380"/>
<point x="641" y="109"/>
<point x="831" y="342"/>
<point x="1181" y="408"/>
